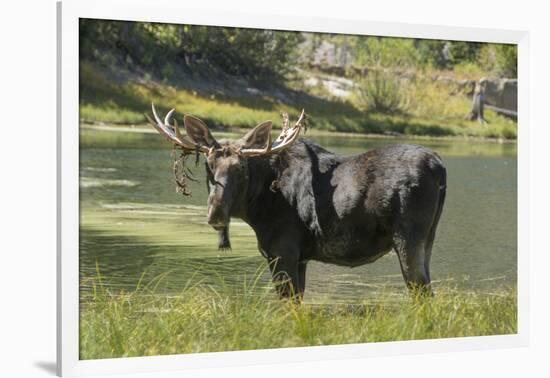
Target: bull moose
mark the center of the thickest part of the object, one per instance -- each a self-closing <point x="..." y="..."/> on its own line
<point x="306" y="203"/>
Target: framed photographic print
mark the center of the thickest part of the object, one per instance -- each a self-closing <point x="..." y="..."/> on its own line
<point x="240" y="189"/>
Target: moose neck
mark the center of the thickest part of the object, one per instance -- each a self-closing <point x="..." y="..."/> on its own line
<point x="294" y="172"/>
<point x="306" y="183"/>
<point x="259" y="197"/>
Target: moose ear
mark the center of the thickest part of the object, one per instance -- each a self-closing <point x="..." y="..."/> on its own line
<point x="258" y="137"/>
<point x="198" y="132"/>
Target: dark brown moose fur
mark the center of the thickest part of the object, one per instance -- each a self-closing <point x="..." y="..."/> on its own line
<point x="306" y="203"/>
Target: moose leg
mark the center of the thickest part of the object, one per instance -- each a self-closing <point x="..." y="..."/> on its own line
<point x="224" y="243"/>
<point x="433" y="228"/>
<point x="428" y="251"/>
<point x="412" y="259"/>
<point x="302" y="279"/>
<point x="285" y="277"/>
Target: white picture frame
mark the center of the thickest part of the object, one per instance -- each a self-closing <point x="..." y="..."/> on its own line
<point x="69" y="12"/>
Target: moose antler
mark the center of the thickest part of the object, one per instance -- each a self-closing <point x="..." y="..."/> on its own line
<point x="288" y="135"/>
<point x="172" y="133"/>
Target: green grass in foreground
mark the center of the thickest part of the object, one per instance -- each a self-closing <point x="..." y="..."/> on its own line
<point x="203" y="319"/>
<point x="104" y="101"/>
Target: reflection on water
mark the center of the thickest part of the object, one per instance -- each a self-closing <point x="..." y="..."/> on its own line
<point x="135" y="226"/>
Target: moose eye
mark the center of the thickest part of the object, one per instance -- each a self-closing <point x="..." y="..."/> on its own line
<point x="210" y="165"/>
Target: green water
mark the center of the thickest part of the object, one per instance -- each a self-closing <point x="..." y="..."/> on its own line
<point x="134" y="225"/>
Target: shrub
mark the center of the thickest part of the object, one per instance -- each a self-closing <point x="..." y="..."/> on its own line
<point x="380" y="92"/>
<point x="160" y="48"/>
<point x="499" y="59"/>
<point x="385" y="52"/>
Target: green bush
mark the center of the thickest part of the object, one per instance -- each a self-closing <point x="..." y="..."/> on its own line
<point x="430" y="53"/>
<point x="499" y="60"/>
<point x="380" y="92"/>
<point x="385" y="52"/>
<point x="507" y="60"/>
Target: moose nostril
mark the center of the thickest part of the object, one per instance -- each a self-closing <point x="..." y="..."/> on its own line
<point x="216" y="216"/>
<point x="210" y="216"/>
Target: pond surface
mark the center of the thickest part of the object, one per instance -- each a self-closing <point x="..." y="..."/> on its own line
<point x="134" y="226"/>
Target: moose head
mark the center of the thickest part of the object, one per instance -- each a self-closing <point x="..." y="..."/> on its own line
<point x="227" y="168"/>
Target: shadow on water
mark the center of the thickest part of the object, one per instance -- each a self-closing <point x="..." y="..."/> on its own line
<point x="123" y="262"/>
<point x="115" y="257"/>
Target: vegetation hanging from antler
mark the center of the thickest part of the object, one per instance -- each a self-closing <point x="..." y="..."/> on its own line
<point x="187" y="147"/>
<point x="181" y="171"/>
